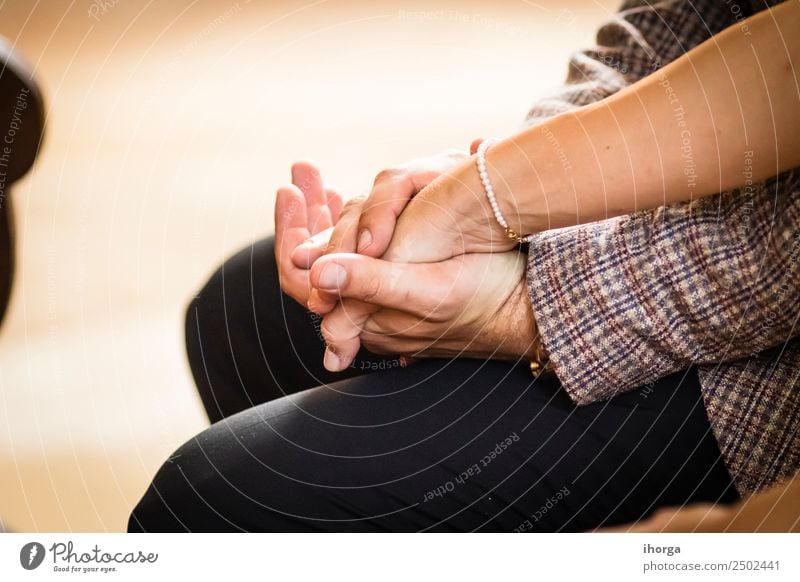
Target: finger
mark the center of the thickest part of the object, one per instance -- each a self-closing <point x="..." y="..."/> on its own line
<point x="412" y="287"/>
<point x="389" y="196"/>
<point x="335" y="204"/>
<point x="315" y="302"/>
<point x="392" y="332"/>
<point x="473" y="147"/>
<point x="304" y="255"/>
<point x="306" y="176"/>
<point x="290" y="231"/>
<point x="389" y="345"/>
<point x="341" y="329"/>
<point x="290" y="221"/>
<point x="342" y="238"/>
<point x="322" y="302"/>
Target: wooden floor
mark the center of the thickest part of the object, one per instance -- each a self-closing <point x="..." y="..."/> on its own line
<point x="170" y="125"/>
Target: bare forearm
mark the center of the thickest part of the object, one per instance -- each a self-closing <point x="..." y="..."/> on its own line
<point x="726" y="113"/>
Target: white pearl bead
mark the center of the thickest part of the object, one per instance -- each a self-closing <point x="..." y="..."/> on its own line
<point x="487" y="186"/>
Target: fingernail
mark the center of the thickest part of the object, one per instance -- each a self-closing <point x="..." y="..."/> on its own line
<point x="331" y="361"/>
<point x="364" y="240"/>
<point x="332" y="277"/>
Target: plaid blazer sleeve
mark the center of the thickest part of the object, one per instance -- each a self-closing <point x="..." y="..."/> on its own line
<point x="623" y="302"/>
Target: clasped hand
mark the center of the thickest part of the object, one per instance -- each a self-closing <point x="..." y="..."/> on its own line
<point x="414" y="269"/>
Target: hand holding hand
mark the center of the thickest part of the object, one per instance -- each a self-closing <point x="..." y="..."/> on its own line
<point x="471" y="305"/>
<point x="367" y="223"/>
<point x="450" y="217"/>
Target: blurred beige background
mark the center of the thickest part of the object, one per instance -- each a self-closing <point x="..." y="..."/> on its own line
<point x="170" y="125"/>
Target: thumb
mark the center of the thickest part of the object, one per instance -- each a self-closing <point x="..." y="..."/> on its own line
<point x="410" y="287"/>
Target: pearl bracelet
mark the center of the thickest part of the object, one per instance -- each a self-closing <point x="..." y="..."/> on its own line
<point x="487" y="186"/>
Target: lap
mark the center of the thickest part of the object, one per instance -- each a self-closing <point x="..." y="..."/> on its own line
<point x="441" y="445"/>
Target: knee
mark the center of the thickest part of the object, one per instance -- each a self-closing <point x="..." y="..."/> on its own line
<point x="222" y="480"/>
<point x="184" y="495"/>
<point x="160" y="508"/>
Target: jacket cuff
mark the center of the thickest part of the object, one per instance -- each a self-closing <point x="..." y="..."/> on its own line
<point x="585" y="285"/>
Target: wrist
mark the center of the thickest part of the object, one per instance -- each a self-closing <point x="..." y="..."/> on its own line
<point x="513" y="330"/>
<point x="531" y="175"/>
<point x="464" y="193"/>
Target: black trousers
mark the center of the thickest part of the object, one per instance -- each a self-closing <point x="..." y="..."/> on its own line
<point x="440" y="445"/>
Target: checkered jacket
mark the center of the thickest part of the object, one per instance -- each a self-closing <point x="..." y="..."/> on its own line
<point x="712" y="284"/>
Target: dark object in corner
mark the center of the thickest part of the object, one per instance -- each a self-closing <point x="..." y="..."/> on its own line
<point x="21" y="133"/>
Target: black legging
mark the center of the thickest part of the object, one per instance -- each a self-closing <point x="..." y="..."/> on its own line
<point x="441" y="445"/>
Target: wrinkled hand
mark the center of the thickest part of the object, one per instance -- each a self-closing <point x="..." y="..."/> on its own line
<point x="463" y="306"/>
<point x="471" y="305"/>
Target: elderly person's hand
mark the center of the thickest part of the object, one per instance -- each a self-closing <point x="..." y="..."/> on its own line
<point x="472" y="305"/>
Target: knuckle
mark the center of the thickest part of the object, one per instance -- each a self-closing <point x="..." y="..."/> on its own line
<point x="353" y="205"/>
<point x="372" y="288"/>
<point x="376" y="343"/>
<point x="376" y="347"/>
<point x="327" y="333"/>
<point x="389" y="174"/>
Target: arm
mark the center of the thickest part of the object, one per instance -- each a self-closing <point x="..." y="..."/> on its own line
<point x="679" y="134"/>
<point x="723" y="115"/>
<point x="625" y="301"/>
<point x="628" y="300"/>
<point x="570" y="313"/>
